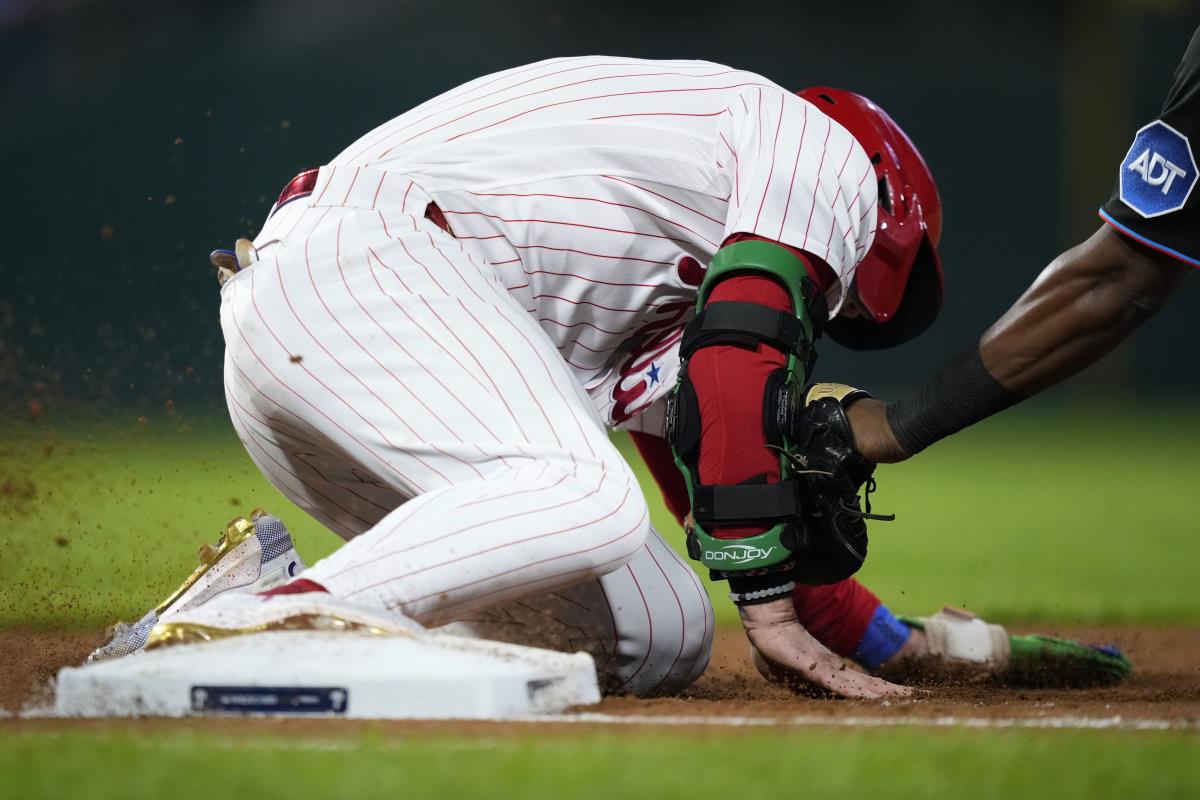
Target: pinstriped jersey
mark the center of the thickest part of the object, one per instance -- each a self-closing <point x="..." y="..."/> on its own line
<point x="596" y="188"/>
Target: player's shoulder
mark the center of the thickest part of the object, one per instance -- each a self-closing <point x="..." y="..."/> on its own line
<point x="633" y="65"/>
<point x="1154" y="201"/>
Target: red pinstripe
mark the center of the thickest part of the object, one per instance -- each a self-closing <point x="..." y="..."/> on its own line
<point x="246" y="341"/>
<point x="350" y="188"/>
<point x="528" y="389"/>
<point x="476" y="528"/>
<point x="774" y="150"/>
<point x="813" y="203"/>
<point x="278" y="482"/>
<point x="300" y="217"/>
<point x="709" y="618"/>
<point x="500" y="77"/>
<point x="649" y="627"/>
<point x="440" y="346"/>
<point x="415" y="260"/>
<point x="557" y="389"/>
<point x="378" y="189"/>
<point x="434" y="103"/>
<point x="608" y="606"/>
<point x="640" y="524"/>
<point x="577" y="324"/>
<point x="328" y="183"/>
<point x="508" y="495"/>
<point x="404" y="201"/>
<point x="469" y="284"/>
<point x="317" y="292"/>
<point x="664" y="197"/>
<point x="568" y="224"/>
<point x="460" y="237"/>
<point x="302" y="458"/>
<point x="682" y="618"/>
<point x="247" y="379"/>
<point x="577" y="365"/>
<point x="559" y="88"/>
<point x="586" y="303"/>
<point x="737" y="171"/>
<point x="404" y="350"/>
<point x="836" y="195"/>
<point x="575" y="342"/>
<point x="599" y="97"/>
<point x="792" y="183"/>
<point x="662" y="114"/>
<point x="479" y="369"/>
<point x="598" y="200"/>
<point x="586" y="253"/>
<point x="559" y="579"/>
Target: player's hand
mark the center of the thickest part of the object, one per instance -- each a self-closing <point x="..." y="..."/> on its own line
<point x="789" y="654"/>
<point x="873" y="436"/>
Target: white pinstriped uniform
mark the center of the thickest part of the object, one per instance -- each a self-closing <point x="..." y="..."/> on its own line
<point x="447" y="397"/>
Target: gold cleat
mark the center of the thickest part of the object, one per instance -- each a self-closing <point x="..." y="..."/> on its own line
<point x="169" y="633"/>
<point x="254" y="554"/>
<point x="246" y="614"/>
<point x="238" y="530"/>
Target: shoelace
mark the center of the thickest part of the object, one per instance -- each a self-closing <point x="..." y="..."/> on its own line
<point x="868" y="487"/>
<point x="800" y="467"/>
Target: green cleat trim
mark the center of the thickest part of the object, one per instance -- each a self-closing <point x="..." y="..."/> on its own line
<point x="1046" y="660"/>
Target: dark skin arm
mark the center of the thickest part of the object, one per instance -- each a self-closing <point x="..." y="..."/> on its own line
<point x="1079" y="309"/>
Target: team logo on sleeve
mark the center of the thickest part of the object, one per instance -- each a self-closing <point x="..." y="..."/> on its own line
<point x="1159" y="172"/>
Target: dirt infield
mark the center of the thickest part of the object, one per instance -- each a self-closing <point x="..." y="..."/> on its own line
<point x="1165" y="688"/>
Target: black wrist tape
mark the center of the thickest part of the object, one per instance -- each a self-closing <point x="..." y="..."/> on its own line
<point x="961" y="393"/>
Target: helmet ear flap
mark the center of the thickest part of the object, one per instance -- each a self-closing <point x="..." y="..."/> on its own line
<point x="908" y="206"/>
<point x="918" y="309"/>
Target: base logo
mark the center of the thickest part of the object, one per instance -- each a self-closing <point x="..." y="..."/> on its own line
<point x="270" y="699"/>
<point x="1159" y="171"/>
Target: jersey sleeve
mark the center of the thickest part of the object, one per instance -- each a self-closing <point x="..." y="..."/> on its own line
<point x="1154" y="201"/>
<point x="796" y="176"/>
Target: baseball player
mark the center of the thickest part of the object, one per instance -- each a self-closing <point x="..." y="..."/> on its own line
<point x="429" y="339"/>
<point x="1085" y="302"/>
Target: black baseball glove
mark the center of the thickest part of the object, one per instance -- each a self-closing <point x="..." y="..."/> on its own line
<point x="834" y="523"/>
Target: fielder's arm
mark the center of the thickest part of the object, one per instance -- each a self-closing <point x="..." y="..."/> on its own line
<point x="733" y="427"/>
<point x="1085" y="303"/>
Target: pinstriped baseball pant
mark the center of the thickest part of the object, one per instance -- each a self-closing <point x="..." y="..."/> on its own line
<point x="387" y="384"/>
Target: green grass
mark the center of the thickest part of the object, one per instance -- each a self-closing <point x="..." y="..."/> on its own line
<point x="1027" y="517"/>
<point x="1031" y="517"/>
<point x="810" y="764"/>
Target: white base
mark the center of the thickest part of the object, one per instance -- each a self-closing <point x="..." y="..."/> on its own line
<point x="289" y="673"/>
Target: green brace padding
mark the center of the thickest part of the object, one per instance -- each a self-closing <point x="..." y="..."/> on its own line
<point x="772" y="549"/>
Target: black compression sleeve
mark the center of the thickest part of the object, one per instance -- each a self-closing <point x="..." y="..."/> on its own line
<point x="961" y="393"/>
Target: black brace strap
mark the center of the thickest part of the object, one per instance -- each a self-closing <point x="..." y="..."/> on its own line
<point x="744" y="325"/>
<point x="738" y="503"/>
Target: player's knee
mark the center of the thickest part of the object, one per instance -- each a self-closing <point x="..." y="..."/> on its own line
<point x="618" y="520"/>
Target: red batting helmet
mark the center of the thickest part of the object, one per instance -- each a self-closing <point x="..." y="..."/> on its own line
<point x="899" y="281"/>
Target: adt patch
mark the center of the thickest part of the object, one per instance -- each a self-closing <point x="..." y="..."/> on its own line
<point x="1159" y="172"/>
